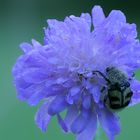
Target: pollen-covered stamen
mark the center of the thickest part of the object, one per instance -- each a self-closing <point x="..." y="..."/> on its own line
<point x="82" y="76"/>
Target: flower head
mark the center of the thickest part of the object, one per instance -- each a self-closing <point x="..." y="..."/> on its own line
<point x="61" y="71"/>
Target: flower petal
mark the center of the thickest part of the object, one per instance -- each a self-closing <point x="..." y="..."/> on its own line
<point x="97" y="15"/>
<point x="34" y="75"/>
<point x="95" y="91"/>
<point x="38" y="95"/>
<point x="79" y="123"/>
<point x="135" y="86"/>
<point x="31" y="93"/>
<point x="90" y="130"/>
<point x="71" y="115"/>
<point x="42" y="118"/>
<point x="87" y="101"/>
<point x="62" y="123"/>
<point x="117" y="15"/>
<point x="110" y="122"/>
<point x="36" y="44"/>
<point x="87" y="18"/>
<point x="74" y="90"/>
<point x="80" y="25"/>
<point x="72" y="94"/>
<point x="26" y="47"/>
<point x="57" y="105"/>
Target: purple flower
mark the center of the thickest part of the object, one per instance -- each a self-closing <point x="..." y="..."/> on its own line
<point x="60" y="72"/>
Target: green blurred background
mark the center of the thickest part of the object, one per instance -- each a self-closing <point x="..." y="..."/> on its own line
<point x="22" y="20"/>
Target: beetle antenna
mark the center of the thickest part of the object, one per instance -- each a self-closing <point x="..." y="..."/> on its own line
<point x="101" y="74"/>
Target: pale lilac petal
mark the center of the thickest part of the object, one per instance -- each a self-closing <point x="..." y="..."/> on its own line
<point x="36" y="75"/>
<point x="69" y="99"/>
<point x="79" y="123"/>
<point x="90" y="131"/>
<point x="80" y="25"/>
<point x="32" y="93"/>
<point x="38" y="95"/>
<point x="87" y="101"/>
<point x="42" y="117"/>
<point x="57" y="105"/>
<point x="97" y="15"/>
<point x="26" y="47"/>
<point x="72" y="94"/>
<point x="36" y="44"/>
<point x="110" y="123"/>
<point x="71" y="115"/>
<point x="74" y="90"/>
<point x="95" y="91"/>
<point x="135" y="86"/>
<point x="87" y="18"/>
<point x="62" y="123"/>
<point x="117" y="15"/>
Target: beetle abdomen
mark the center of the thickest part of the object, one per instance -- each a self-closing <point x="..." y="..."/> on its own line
<point x="119" y="99"/>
